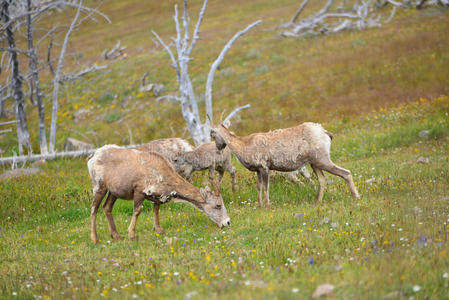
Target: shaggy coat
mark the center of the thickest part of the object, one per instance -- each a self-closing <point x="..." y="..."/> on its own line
<point x="136" y="175"/>
<point x="171" y="148"/>
<point x="284" y="150"/>
<point x="207" y="156"/>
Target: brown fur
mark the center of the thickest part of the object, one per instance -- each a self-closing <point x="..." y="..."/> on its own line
<point x="171" y="148"/>
<point x="284" y="150"/>
<point x="136" y="175"/>
<point x="207" y="156"/>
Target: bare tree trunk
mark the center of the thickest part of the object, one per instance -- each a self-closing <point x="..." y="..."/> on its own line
<point x="2" y="102"/>
<point x="56" y="79"/>
<point x="189" y="105"/>
<point x="35" y="81"/>
<point x="216" y="64"/>
<point x="23" y="135"/>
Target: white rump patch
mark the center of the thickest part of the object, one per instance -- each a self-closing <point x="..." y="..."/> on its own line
<point x="95" y="167"/>
<point x="186" y="146"/>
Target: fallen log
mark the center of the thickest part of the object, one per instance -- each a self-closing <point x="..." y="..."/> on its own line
<point x="34" y="157"/>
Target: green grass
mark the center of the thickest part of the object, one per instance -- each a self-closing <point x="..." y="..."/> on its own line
<point x="311" y="79"/>
<point x="375" y="90"/>
<point x="393" y="239"/>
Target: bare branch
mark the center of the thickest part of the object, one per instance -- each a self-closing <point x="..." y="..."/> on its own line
<point x="195" y="36"/>
<point x="393" y="11"/>
<point x="115" y="52"/>
<point x="56" y="80"/>
<point x="178" y="35"/>
<point x="30" y="158"/>
<point x="6" y="130"/>
<point x="144" y="78"/>
<point x="185" y="22"/>
<point x="170" y="53"/>
<point x="71" y="77"/>
<point x="299" y="11"/>
<point x="216" y="64"/>
<point x="8" y="122"/>
<point x="395" y="3"/>
<point x="50" y="66"/>
<point x="168" y="97"/>
<point x="47" y="34"/>
<point x="17" y="50"/>
<point x="234" y="112"/>
<point x="51" y="5"/>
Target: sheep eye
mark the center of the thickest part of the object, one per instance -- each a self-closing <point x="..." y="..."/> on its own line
<point x="218" y="206"/>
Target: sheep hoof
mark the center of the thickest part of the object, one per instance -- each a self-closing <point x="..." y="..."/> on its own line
<point x="159" y="230"/>
<point x="116" y="236"/>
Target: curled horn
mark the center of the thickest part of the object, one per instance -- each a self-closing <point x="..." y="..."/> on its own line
<point x="210" y="121"/>
<point x="215" y="187"/>
<point x="222" y="114"/>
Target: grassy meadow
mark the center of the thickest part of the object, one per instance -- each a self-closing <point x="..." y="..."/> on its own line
<point x="375" y="90"/>
<point x="392" y="240"/>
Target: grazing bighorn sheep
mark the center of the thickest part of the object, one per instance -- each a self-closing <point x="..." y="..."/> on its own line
<point x="171" y="148"/>
<point x="207" y="156"/>
<point x="136" y="175"/>
<point x="284" y="150"/>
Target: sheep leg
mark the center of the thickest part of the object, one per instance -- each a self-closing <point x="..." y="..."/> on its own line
<point x="345" y="174"/>
<point x="99" y="194"/>
<point x="138" y="200"/>
<point x="266" y="183"/>
<point x="259" y="188"/>
<point x="212" y="173"/>
<point x="231" y="171"/>
<point x="157" y="226"/>
<point x="107" y="208"/>
<point x="220" y="176"/>
<point x="322" y="182"/>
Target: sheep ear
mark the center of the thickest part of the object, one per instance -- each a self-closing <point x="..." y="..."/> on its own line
<point x="210" y="120"/>
<point x="226" y="123"/>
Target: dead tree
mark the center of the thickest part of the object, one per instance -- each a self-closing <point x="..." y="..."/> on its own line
<point x="36" y="86"/>
<point x="56" y="79"/>
<point x="184" y="45"/>
<point x="115" y="52"/>
<point x="333" y="18"/>
<point x="23" y="135"/>
<point x="27" y="12"/>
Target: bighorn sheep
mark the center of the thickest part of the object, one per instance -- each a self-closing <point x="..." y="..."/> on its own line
<point x="207" y="156"/>
<point x="284" y="150"/>
<point x="171" y="148"/>
<point x="136" y="175"/>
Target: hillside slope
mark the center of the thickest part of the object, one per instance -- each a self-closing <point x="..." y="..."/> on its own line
<point x="287" y="81"/>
